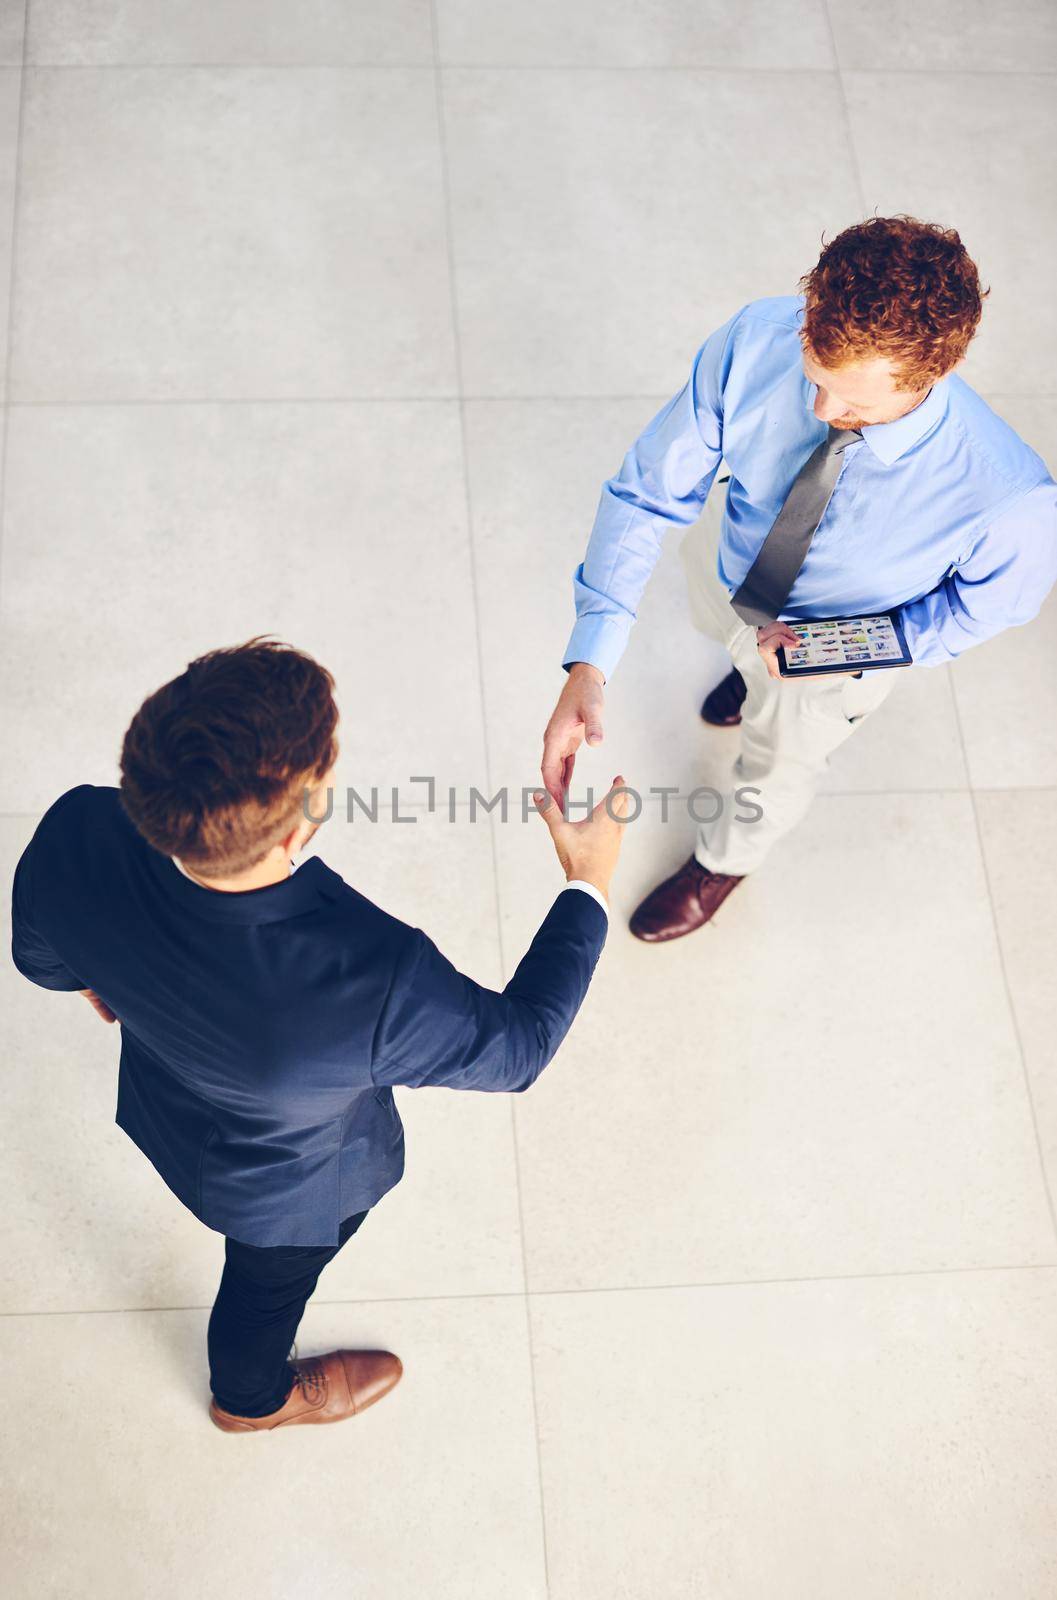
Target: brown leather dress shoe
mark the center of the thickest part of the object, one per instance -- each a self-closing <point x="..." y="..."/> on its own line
<point x="326" y="1389"/>
<point x="722" y="707"/>
<point x="683" y="902"/>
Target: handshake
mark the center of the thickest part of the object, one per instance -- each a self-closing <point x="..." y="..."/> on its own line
<point x="588" y="849"/>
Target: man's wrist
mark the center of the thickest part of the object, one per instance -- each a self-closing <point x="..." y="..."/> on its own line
<point x="595" y="879"/>
<point x="586" y="669"/>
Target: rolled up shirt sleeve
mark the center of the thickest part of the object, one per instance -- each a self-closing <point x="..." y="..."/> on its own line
<point x="664" y="481"/>
<point x="1002" y="582"/>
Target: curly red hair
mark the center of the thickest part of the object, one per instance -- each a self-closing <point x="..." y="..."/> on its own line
<point x="893" y="287"/>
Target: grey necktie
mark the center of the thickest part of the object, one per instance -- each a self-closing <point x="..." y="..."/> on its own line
<point x="769" y="581"/>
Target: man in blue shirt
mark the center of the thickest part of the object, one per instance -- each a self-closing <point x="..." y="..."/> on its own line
<point x="939" y="513"/>
<point x="266" y="1014"/>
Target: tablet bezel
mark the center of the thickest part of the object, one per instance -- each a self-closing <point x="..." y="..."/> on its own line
<point x="848" y="669"/>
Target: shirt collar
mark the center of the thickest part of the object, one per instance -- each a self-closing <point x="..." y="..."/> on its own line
<point x="307" y="889"/>
<point x="890" y="440"/>
<point x="178" y="863"/>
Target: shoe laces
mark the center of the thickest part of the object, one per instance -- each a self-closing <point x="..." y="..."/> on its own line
<point x="308" y="1377"/>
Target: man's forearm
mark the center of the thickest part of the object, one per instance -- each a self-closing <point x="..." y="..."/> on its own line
<point x="1000" y="584"/>
<point x="551" y="982"/>
<point x="600" y="632"/>
<point x="663" y="482"/>
<point x="940" y="626"/>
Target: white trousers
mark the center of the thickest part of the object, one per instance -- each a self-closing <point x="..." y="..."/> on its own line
<point x="789" y="727"/>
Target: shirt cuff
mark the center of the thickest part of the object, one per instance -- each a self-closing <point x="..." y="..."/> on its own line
<point x="589" y="888"/>
<point x="600" y="641"/>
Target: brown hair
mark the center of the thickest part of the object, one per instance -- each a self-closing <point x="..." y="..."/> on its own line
<point x="893" y="287"/>
<point x="214" y="764"/>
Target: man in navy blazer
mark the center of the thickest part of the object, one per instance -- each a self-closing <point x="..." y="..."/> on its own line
<point x="267" y="1013"/>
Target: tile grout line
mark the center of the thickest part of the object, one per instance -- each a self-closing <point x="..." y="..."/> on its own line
<point x="681" y="1287"/>
<point x="1014" y="1020"/>
<point x="843" y="92"/>
<point x="743" y="70"/>
<point x="127" y="402"/>
<point x="444" y="397"/>
<point x="15" y="197"/>
<point x="445" y="177"/>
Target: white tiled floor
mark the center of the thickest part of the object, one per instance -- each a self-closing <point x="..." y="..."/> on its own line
<point x="328" y="320"/>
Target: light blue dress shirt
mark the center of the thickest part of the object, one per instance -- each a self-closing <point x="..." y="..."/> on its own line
<point x="944" y="515"/>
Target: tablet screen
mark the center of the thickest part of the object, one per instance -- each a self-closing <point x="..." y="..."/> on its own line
<point x="849" y="643"/>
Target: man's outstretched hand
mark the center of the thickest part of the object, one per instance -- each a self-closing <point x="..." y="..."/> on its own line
<point x="100" y="1007"/>
<point x="588" y="849"/>
<point x="577" y="715"/>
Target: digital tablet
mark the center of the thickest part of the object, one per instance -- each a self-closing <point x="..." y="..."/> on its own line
<point x="844" y="644"/>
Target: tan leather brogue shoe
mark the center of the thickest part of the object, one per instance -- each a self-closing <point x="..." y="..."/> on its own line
<point x="326" y="1389"/>
<point x="683" y="902"/>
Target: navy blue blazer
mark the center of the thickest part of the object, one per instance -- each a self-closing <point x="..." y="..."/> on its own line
<point x="261" y="1032"/>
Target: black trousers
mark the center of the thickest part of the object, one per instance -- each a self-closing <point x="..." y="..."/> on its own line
<point x="262" y="1296"/>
